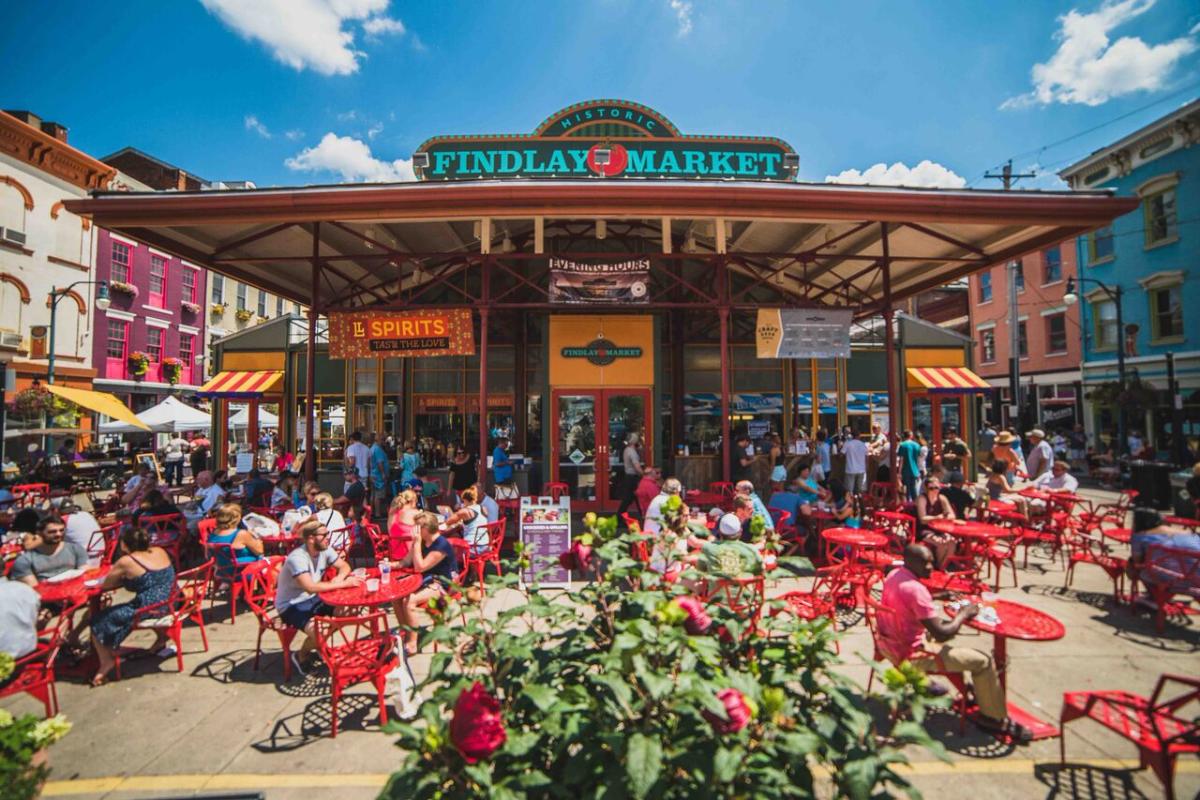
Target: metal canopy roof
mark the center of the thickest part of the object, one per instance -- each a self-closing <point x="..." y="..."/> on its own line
<point x="387" y="245"/>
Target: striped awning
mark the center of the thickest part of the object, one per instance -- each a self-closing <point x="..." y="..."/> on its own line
<point x="947" y="380"/>
<point x="246" y="385"/>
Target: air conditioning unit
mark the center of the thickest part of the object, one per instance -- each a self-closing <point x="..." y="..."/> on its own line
<point x="16" y="237"/>
<point x="10" y="340"/>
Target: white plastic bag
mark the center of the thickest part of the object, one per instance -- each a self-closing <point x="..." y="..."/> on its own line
<point x="260" y="526"/>
<point x="400" y="686"/>
<point x="293" y="517"/>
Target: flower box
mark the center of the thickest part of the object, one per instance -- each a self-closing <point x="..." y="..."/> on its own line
<point x="244" y="314"/>
<point x="191" y="308"/>
<point x="217" y="309"/>
<point x="138" y="363"/>
<point x="172" y="369"/>
<point x="124" y="288"/>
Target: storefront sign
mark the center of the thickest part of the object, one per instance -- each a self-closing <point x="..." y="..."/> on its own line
<point x="610" y="139"/>
<point x="545" y="533"/>
<point x="458" y="404"/>
<point x="383" y="334"/>
<point x="803" y="333"/>
<point x="592" y="350"/>
<point x="601" y="352"/>
<point x="621" y="282"/>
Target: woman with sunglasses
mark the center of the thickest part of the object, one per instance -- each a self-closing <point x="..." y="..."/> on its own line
<point x="931" y="505"/>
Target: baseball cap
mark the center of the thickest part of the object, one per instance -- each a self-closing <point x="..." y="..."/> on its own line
<point x="730" y="527"/>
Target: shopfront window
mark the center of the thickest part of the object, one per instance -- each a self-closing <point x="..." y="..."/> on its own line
<point x="331" y="428"/>
<point x="446" y="398"/>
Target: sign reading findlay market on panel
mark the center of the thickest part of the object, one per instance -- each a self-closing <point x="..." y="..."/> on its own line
<point x="803" y="332"/>
<point x="383" y="334"/>
<point x="620" y="282"/>
<point x="610" y="139"/>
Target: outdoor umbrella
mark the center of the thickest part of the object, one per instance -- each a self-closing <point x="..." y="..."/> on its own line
<point x="169" y="416"/>
<point x="103" y="402"/>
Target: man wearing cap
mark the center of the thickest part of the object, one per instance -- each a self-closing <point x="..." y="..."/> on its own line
<point x="81" y="525"/>
<point x="1058" y="479"/>
<point x="730" y="526"/>
<point x="502" y="469"/>
<point x="355" y="491"/>
<point x="1041" y="455"/>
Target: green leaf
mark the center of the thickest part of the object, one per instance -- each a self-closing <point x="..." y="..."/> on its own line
<point x="725" y="765"/>
<point x="643" y="763"/>
<point x="542" y="696"/>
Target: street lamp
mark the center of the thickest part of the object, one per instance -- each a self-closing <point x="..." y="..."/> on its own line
<point x="1114" y="294"/>
<point x="102" y="303"/>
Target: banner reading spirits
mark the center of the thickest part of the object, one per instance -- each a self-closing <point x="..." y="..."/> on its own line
<point x="387" y="334"/>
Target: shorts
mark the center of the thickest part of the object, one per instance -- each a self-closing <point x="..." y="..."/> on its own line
<point x="298" y="615"/>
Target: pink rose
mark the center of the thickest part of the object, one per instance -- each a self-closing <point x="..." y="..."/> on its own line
<point x="697" y="621"/>
<point x="567" y="561"/>
<point x="477" y="729"/>
<point x="583" y="555"/>
<point x="737" y="709"/>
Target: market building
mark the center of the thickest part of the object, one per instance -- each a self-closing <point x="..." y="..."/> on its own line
<point x="1139" y="285"/>
<point x="618" y="276"/>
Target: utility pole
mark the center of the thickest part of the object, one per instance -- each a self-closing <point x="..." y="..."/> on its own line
<point x="1006" y="175"/>
<point x="1014" y="348"/>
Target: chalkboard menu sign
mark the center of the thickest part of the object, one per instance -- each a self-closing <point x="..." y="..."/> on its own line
<point x="546" y="534"/>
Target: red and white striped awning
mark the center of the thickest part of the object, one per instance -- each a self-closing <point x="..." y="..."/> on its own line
<point x="948" y="380"/>
<point x="245" y="385"/>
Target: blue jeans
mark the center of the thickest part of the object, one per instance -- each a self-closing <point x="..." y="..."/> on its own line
<point x="910" y="486"/>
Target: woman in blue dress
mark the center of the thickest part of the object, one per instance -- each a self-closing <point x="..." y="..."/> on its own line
<point x="243" y="546"/>
<point x="148" y="573"/>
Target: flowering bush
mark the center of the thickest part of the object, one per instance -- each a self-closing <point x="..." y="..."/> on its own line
<point x="626" y="687"/>
<point x="172" y="370"/>
<point x="124" y="288"/>
<point x="138" y="362"/>
<point x="21" y="739"/>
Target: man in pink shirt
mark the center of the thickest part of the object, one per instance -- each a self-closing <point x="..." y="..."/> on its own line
<point x="910" y="615"/>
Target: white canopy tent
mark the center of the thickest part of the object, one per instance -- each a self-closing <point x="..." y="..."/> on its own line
<point x="240" y="419"/>
<point x="169" y="416"/>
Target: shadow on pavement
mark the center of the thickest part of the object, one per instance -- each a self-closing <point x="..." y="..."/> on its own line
<point x="1083" y="782"/>
<point x="237" y="666"/>
<point x="1179" y="635"/>
<point x="315" y="722"/>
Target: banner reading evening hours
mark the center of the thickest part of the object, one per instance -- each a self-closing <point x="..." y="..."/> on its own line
<point x="619" y="282"/>
<point x="414" y="334"/>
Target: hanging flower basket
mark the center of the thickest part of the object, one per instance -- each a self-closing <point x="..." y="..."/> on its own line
<point x="172" y="370"/>
<point x="217" y="309"/>
<point x="124" y="288"/>
<point x="139" y="362"/>
<point x="33" y="403"/>
<point x="191" y="308"/>
<point x="244" y="314"/>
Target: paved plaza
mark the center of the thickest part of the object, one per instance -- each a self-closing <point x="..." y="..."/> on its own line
<point x="221" y="726"/>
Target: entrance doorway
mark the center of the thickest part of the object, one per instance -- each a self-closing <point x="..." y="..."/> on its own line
<point x="933" y="415"/>
<point x="589" y="428"/>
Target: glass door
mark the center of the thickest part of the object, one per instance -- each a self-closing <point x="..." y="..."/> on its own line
<point x="624" y="414"/>
<point x="574" y="438"/>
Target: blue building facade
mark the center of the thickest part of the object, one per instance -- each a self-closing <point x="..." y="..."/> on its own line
<point x="1153" y="256"/>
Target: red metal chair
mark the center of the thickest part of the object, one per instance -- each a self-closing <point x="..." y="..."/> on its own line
<point x="258" y="590"/>
<point x="807" y="606"/>
<point x="555" y="490"/>
<point x="103" y="544"/>
<point x="745" y="597"/>
<point x="1088" y="548"/>
<point x="1157" y="725"/>
<point x="33" y="673"/>
<point x="356" y="650"/>
<point x="882" y="495"/>
<point x="479" y="561"/>
<point x="26" y="495"/>
<point x="1167" y="572"/>
<point x="185" y="603"/>
<point x="166" y="531"/>
<point x="381" y="543"/>
<point x="228" y="572"/>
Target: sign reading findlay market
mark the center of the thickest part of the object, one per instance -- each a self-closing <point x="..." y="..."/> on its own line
<point x="640" y="143"/>
<point x="383" y="334"/>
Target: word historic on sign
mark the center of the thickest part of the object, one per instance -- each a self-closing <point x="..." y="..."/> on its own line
<point x="803" y="333"/>
<point x="621" y="282"/>
<point x="416" y="334"/>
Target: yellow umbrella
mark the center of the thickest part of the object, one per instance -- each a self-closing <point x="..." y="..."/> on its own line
<point x="102" y="402"/>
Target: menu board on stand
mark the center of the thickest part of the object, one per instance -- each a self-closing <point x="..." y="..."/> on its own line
<point x="545" y="532"/>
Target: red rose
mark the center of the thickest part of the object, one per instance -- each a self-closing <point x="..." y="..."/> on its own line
<point x="477" y="729"/>
<point x="697" y="621"/>
<point x="567" y="561"/>
<point x="583" y="555"/>
<point x="737" y="709"/>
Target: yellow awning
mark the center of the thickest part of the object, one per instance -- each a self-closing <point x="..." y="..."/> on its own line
<point x="241" y="384"/>
<point x="102" y="402"/>
<point x="947" y="380"/>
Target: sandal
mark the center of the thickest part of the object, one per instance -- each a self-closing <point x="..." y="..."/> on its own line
<point x="99" y="679"/>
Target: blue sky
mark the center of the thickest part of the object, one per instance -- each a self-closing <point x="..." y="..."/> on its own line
<point x="306" y="91"/>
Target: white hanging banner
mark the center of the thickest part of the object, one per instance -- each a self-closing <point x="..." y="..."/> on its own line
<point x="804" y="332"/>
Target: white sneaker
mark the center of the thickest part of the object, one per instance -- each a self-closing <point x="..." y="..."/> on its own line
<point x="166" y="652"/>
<point x="299" y="667"/>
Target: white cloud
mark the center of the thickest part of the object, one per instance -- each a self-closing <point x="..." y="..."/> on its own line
<point x="252" y="124"/>
<point x="927" y="173"/>
<point x="308" y="34"/>
<point x="683" y="15"/>
<point x="1087" y="69"/>
<point x="293" y="135"/>
<point x="375" y="130"/>
<point x="352" y="159"/>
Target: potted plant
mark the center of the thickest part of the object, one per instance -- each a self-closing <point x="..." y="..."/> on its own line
<point x="24" y="742"/>
<point x="124" y="288"/>
<point x="244" y="314"/>
<point x="217" y="309"/>
<point x="139" y="362"/>
<point x="192" y="308"/>
<point x="172" y="369"/>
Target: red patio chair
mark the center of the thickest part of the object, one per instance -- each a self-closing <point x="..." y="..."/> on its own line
<point x="33" y="673"/>
<point x="1158" y="725"/>
<point x="166" y="531"/>
<point x="381" y="543"/>
<point x="555" y="490"/>
<point x="1088" y="548"/>
<point x="27" y="495"/>
<point x="726" y="490"/>
<point x="882" y="495"/>
<point x="103" y="543"/>
<point x="479" y="561"/>
<point x="258" y="590"/>
<point x="227" y="571"/>
<point x="356" y="650"/>
<point x="1167" y="572"/>
<point x="745" y="597"/>
<point x="807" y="606"/>
<point x="185" y="603"/>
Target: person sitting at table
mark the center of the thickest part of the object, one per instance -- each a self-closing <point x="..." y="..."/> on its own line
<point x="1003" y="450"/>
<point x="491" y="509"/>
<point x="843" y="506"/>
<point x="256" y="490"/>
<point x="432" y="556"/>
<point x="354" y="492"/>
<point x="652" y="519"/>
<point x="136" y="487"/>
<point x="916" y="632"/>
<point x="154" y="504"/>
<point x="647" y="488"/>
<point x="786" y="499"/>
<point x="402" y="524"/>
<point x="471" y="517"/>
<point x="7" y="498"/>
<point x="339" y="537"/>
<point x="282" y="494"/>
<point x="305" y="498"/>
<point x="244" y="546"/>
<point x="732" y="524"/>
<point x="1000" y="488"/>
<point x="808" y="490"/>
<point x="209" y="494"/>
<point x="47" y="553"/>
<point x="746" y="489"/>
<point x="298" y="588"/>
<point x="18" y="620"/>
<point x="1149" y="529"/>
<point x="1057" y="479"/>
<point x="931" y="505"/>
<point x="148" y="573"/>
<point x="81" y="525"/>
<point x="959" y="496"/>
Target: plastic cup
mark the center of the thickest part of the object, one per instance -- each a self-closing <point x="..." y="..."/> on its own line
<point x="372" y="585"/>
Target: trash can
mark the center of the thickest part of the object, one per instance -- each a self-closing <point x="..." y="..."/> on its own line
<point x="1183" y="504"/>
<point x="1152" y="480"/>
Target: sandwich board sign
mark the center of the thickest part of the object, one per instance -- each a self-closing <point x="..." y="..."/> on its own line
<point x="545" y="532"/>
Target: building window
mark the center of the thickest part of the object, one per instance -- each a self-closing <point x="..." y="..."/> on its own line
<point x="154" y="344"/>
<point x="241" y="297"/>
<point x="1056" y="333"/>
<point x="985" y="287"/>
<point x="279" y="306"/>
<point x="1022" y="340"/>
<point x="262" y="304"/>
<point x="1160" y="219"/>
<point x="189" y="283"/>
<point x="1020" y="277"/>
<point x="987" y="346"/>
<point x="187" y="345"/>
<point x="218" y="289"/>
<point x="118" y="338"/>
<point x="1051" y="265"/>
<point x="120" y="262"/>
<point x="296" y="309"/>
<point x="1166" y="312"/>
<point x="1104" y="315"/>
<point x="158" y="281"/>
<point x="1100" y="245"/>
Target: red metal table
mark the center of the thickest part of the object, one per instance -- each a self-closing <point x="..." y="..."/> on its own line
<point x="399" y="587"/>
<point x="1122" y="535"/>
<point x="699" y="499"/>
<point x="851" y="572"/>
<point x="80" y="587"/>
<point x="1027" y="624"/>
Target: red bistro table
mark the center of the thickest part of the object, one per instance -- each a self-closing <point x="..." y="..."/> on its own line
<point x="81" y="587"/>
<point x="858" y="576"/>
<point x="977" y="536"/>
<point x="400" y="586"/>
<point x="705" y="499"/>
<point x="1020" y="622"/>
<point x="857" y="539"/>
